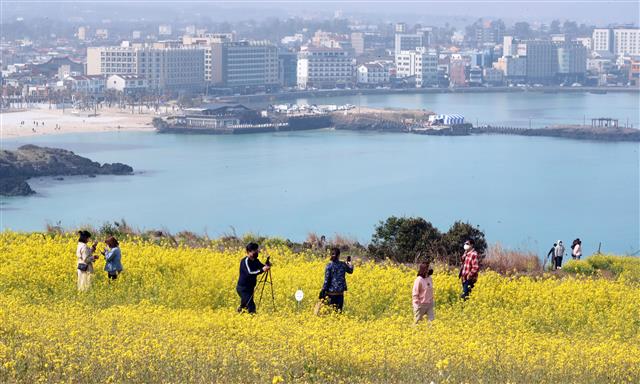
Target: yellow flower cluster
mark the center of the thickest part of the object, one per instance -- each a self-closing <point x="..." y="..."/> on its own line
<point x="170" y="317"/>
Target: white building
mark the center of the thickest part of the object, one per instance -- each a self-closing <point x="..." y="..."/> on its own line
<point x="619" y="41"/>
<point x="206" y="42"/>
<point x="164" y="30"/>
<point x="102" y="33"/>
<point x="372" y="74"/>
<point x="421" y="63"/>
<point x="162" y="65"/>
<point x="82" y="33"/>
<point x="602" y="39"/>
<point x="324" y="67"/>
<point x="127" y="84"/>
<point x="88" y="85"/>
<point x="626" y="41"/>
<point x="586" y="41"/>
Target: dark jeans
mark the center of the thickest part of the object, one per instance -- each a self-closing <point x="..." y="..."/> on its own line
<point x="467" y="286"/>
<point x="337" y="301"/>
<point x="558" y="262"/>
<point x="246" y="299"/>
<point x="112" y="275"/>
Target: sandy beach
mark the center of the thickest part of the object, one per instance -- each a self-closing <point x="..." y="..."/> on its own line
<point x="34" y="122"/>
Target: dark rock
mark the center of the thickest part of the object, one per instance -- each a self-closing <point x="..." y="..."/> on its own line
<point x="15" y="186"/>
<point x="33" y="161"/>
<point x="59" y="178"/>
<point x="91" y="175"/>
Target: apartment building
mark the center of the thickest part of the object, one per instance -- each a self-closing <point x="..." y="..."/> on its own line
<point x="421" y="63"/>
<point x="321" y="67"/>
<point x="163" y="65"/>
<point x="241" y="64"/>
<point x="542" y="60"/>
<point x="619" y="41"/>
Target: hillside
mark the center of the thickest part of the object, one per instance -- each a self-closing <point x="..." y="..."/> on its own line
<point x="171" y="317"/>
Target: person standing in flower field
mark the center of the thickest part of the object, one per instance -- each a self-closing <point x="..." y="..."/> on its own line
<point x="559" y="254"/>
<point x="576" y="249"/>
<point x="112" y="257"/>
<point x="470" y="267"/>
<point x="423" y="294"/>
<point x="335" y="282"/>
<point x="84" y="253"/>
<point x="550" y="255"/>
<point x="250" y="268"/>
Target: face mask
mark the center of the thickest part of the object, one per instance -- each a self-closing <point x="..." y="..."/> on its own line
<point x="466" y="247"/>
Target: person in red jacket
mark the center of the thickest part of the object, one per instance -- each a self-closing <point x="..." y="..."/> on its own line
<point x="469" y="270"/>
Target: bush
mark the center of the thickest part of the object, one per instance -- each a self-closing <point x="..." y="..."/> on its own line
<point x="581" y="267"/>
<point x="404" y="239"/>
<point x="450" y="247"/>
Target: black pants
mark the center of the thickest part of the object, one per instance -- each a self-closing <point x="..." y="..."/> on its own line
<point x="337" y="301"/>
<point x="112" y="275"/>
<point x="558" y="262"/>
<point x="246" y="299"/>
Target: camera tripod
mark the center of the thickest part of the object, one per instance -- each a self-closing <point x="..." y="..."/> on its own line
<point x="264" y="280"/>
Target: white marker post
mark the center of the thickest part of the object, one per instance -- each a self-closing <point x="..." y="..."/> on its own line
<point x="299" y="295"/>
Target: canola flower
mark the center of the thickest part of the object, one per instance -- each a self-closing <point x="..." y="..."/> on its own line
<point x="170" y="317"/>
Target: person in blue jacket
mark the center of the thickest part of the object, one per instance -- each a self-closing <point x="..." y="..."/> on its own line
<point x="335" y="282"/>
<point x="113" y="258"/>
<point x="250" y="268"/>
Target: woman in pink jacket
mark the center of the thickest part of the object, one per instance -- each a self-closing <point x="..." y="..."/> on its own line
<point x="423" y="294"/>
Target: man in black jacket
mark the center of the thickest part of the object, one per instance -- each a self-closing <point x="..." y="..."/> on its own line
<point x="250" y="268"/>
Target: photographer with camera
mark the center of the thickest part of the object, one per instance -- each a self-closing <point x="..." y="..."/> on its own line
<point x="335" y="282"/>
<point x="250" y="268"/>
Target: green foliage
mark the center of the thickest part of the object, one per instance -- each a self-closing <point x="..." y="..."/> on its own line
<point x="405" y="239"/>
<point x="581" y="267"/>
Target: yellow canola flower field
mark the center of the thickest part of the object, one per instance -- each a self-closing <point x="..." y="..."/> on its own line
<point x="171" y="317"/>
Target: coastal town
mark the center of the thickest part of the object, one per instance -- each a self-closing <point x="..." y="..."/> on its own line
<point x="85" y="65"/>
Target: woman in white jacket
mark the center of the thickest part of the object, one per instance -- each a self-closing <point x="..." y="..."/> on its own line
<point x="84" y="253"/>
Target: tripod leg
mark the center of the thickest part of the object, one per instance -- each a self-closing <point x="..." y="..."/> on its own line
<point x="273" y="296"/>
<point x="263" y="280"/>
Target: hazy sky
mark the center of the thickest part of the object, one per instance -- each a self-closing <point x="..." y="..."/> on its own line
<point x="591" y="12"/>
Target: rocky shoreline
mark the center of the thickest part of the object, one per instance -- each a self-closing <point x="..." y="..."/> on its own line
<point x="28" y="161"/>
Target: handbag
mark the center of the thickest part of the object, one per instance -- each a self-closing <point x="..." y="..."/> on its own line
<point x="83" y="267"/>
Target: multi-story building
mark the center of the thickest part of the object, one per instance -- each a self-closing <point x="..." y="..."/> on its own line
<point x="407" y="42"/>
<point x="421" y="63"/>
<point x="542" y="61"/>
<point x="127" y="84"/>
<point x="85" y="84"/>
<point x="287" y="69"/>
<point x="572" y="61"/>
<point x="626" y="41"/>
<point x="619" y="41"/>
<point x="493" y="76"/>
<point x="206" y="41"/>
<point x="357" y="42"/>
<point x="475" y="76"/>
<point x="245" y="64"/>
<point x="457" y="73"/>
<point x="586" y="41"/>
<point x="602" y="39"/>
<point x="324" y="67"/>
<point x="372" y="74"/>
<point x="162" y="65"/>
<point x="514" y="68"/>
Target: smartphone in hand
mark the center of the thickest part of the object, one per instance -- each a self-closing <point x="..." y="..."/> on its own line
<point x="348" y="259"/>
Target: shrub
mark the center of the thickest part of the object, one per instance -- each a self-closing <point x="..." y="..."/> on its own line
<point x="404" y="239"/>
<point x="508" y="261"/>
<point x="581" y="267"/>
